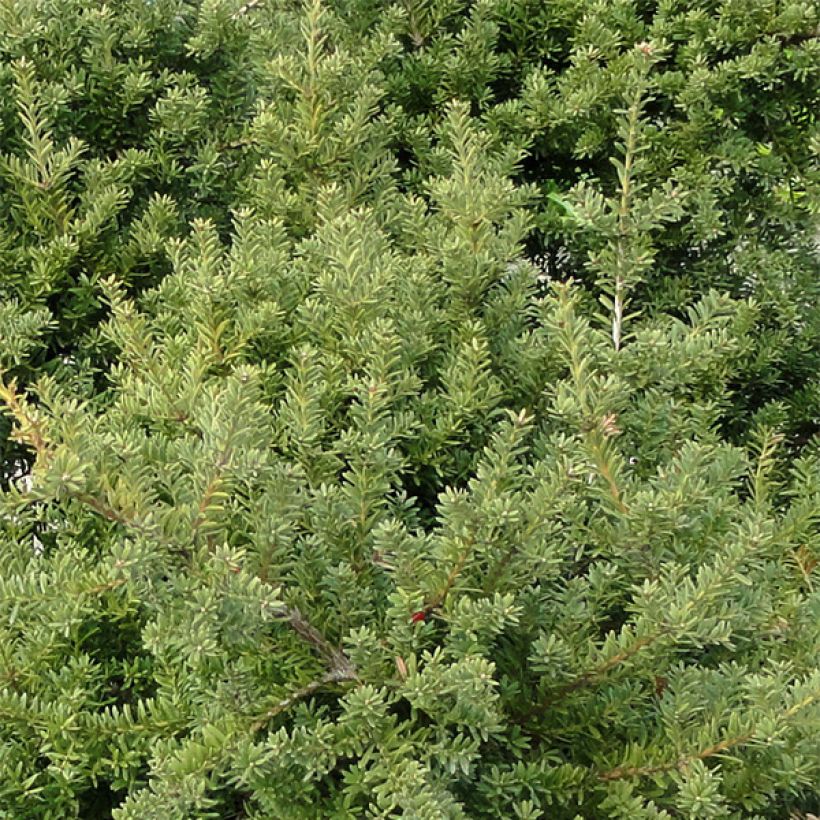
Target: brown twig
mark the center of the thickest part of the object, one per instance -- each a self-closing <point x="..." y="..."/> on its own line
<point x="334" y="676"/>
<point x="597" y="444"/>
<point x="222" y="461"/>
<point x="339" y="663"/>
<point x="340" y="668"/>
<point x="593" y="676"/>
<point x="112" y="514"/>
<point x="440" y="597"/>
<point x="623" y="772"/>
<point x="106" y="587"/>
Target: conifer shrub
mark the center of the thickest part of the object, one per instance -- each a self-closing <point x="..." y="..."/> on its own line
<point x="412" y="410"/>
<point x="117" y="127"/>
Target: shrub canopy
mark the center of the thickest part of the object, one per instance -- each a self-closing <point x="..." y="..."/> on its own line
<point x="409" y="409"/>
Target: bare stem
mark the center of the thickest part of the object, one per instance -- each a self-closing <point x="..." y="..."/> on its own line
<point x="340" y="668"/>
<point x="244" y="9"/>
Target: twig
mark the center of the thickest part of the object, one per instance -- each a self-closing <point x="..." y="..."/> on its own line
<point x="212" y="487"/>
<point x="623" y="772"/>
<point x="340" y="668"/>
<point x="116" y="516"/>
<point x="333" y="676"/>
<point x="438" y="600"/>
<point x="249" y="6"/>
<point x="591" y="677"/>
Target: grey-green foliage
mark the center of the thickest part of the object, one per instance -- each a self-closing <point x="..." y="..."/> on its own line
<point x="728" y="94"/>
<point x="349" y="512"/>
<point x="118" y="124"/>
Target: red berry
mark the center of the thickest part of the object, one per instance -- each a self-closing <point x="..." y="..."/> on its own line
<point x="418" y="616"/>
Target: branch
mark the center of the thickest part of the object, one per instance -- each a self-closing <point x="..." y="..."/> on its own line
<point x="117" y="516"/>
<point x="591" y="677"/>
<point x="623" y="222"/>
<point x="623" y="772"/>
<point x="440" y="597"/>
<point x="596" y="443"/>
<point x="297" y="695"/>
<point x="340" y="668"/>
<point x="242" y="10"/>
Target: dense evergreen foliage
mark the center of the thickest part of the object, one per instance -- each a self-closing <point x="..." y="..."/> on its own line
<point x="409" y="409"/>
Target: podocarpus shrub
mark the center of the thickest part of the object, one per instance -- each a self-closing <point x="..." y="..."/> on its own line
<point x="727" y="95"/>
<point x="345" y="508"/>
<point x="118" y="125"/>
